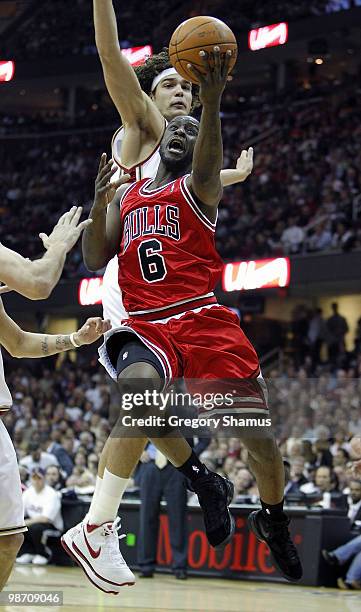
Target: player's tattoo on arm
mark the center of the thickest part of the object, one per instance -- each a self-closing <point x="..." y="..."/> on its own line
<point x="62" y="343"/>
<point x="44" y="345"/>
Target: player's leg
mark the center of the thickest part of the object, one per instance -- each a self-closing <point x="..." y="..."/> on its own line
<point x="11" y="506"/>
<point x="94" y="543"/>
<point x="171" y="443"/>
<point x="224" y="355"/>
<point x="9" y="548"/>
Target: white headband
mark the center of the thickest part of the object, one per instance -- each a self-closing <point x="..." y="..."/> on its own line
<point x="163" y="75"/>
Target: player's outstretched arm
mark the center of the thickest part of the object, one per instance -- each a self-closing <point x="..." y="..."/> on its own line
<point x="20" y="343"/>
<point x="102" y="238"/>
<point x="208" y="151"/>
<point x="37" y="279"/>
<point x="133" y="105"/>
<point x="244" y="167"/>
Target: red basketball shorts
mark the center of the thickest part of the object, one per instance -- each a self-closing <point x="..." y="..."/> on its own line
<point x="209" y="350"/>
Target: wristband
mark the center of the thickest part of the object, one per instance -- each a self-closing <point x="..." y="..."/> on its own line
<point x="72" y="340"/>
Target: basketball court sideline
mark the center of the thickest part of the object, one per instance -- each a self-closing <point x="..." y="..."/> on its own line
<point x="166" y="594"/>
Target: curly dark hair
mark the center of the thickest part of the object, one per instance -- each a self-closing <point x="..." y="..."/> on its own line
<point x="153" y="66"/>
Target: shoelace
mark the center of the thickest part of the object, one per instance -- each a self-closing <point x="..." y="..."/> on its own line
<point x="112" y="543"/>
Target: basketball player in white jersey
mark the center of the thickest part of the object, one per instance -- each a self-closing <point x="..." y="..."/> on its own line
<point x="146" y="100"/>
<point x="35" y="280"/>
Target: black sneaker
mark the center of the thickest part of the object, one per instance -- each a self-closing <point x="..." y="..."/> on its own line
<point x="330" y="558"/>
<point x="215" y="493"/>
<point x="276" y="535"/>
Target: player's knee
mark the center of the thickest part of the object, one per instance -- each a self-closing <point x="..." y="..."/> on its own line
<point x="11" y="544"/>
<point x="138" y="371"/>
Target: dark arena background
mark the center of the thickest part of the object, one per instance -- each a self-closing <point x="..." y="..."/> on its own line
<point x="290" y="239"/>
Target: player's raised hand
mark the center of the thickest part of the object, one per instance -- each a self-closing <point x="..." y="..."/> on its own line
<point x="244" y="164"/>
<point x="67" y="230"/>
<point x="213" y="82"/>
<point x="91" y="331"/>
<point x="105" y="190"/>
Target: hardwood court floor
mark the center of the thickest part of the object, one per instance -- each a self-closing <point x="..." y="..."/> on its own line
<point x="164" y="593"/>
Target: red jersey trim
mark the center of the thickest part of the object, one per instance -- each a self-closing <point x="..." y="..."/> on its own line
<point x="141" y="162"/>
<point x="176" y="308"/>
<point x="194" y="206"/>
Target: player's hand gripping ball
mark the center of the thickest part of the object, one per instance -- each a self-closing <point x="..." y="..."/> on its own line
<point x="197" y="34"/>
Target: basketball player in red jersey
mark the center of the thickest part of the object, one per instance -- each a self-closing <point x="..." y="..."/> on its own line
<point x="145" y="102"/>
<point x="163" y="232"/>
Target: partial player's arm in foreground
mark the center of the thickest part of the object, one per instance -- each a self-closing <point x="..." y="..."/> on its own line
<point x="37" y="279"/>
<point x="102" y="238"/>
<point x="205" y="179"/>
<point x="20" y="343"/>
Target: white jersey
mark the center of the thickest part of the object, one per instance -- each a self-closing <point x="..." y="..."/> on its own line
<point x="5" y="395"/>
<point x="113" y="308"/>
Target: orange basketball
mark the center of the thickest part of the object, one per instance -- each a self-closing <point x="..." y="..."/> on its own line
<point x="196" y="34"/>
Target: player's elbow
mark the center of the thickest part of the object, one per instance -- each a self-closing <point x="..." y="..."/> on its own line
<point x="40" y="290"/>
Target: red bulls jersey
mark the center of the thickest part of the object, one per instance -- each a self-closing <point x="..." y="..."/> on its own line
<point x="167" y="258"/>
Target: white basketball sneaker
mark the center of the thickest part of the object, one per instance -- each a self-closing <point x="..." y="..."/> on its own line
<point x="95" y="548"/>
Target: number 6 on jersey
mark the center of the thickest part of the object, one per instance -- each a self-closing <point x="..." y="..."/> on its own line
<point x="151" y="263"/>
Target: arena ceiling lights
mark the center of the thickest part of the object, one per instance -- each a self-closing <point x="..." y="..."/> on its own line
<point x="268" y="36"/>
<point x="259" y="274"/>
<point x="7" y="70"/>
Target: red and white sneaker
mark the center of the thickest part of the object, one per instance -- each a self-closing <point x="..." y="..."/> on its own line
<point x="95" y="548"/>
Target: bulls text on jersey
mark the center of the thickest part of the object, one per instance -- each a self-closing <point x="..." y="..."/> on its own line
<point x="164" y="222"/>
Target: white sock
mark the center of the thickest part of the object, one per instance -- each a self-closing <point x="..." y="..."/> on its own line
<point x="93" y="504"/>
<point x="106" y="499"/>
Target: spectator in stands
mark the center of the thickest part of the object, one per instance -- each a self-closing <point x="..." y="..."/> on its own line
<point x="341" y="458"/>
<point x="354" y="504"/>
<point x="37" y="458"/>
<point x="352" y="549"/>
<point x="317" y="335"/>
<point x="325" y="489"/>
<point x="54" y="478"/>
<point x="157" y="478"/>
<point x="292" y="237"/>
<point x="42" y="510"/>
<point x="337" y="327"/>
<point x="56" y="449"/>
<point x="297" y="476"/>
<point x="244" y="487"/>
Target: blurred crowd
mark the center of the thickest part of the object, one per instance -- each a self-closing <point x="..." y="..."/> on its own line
<point x="304" y="195"/>
<point x="46" y="29"/>
<point x="59" y="422"/>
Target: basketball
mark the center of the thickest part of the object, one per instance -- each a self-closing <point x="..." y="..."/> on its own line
<point x="195" y="34"/>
